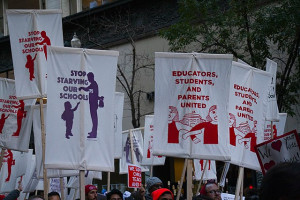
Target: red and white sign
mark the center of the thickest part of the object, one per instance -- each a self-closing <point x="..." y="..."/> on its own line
<point x="285" y="148"/>
<point x="149" y="134"/>
<point x="134" y="176"/>
<point x="209" y="173"/>
<point x="31" y="31"/>
<point x="247" y="110"/>
<point x="191" y="97"/>
<point x="275" y="128"/>
<point x="15" y="118"/>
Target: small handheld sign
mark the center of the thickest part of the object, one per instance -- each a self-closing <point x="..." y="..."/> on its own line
<point x="134" y="176"/>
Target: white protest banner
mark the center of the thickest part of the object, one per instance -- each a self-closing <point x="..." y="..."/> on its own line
<point x="54" y="185"/>
<point x="30" y="169"/>
<point x="13" y="166"/>
<point x="149" y="159"/>
<point x="247" y="111"/>
<point x="51" y="173"/>
<point x="88" y="179"/>
<point x="272" y="110"/>
<point x="32" y="184"/>
<point x="226" y="196"/>
<point x="15" y="118"/>
<point x="285" y="148"/>
<point x="278" y="127"/>
<point x="118" y="119"/>
<point x="137" y="146"/>
<point x="191" y="97"/>
<point x="209" y="173"/>
<point x="30" y="32"/>
<point x="134" y="176"/>
<point x="81" y="93"/>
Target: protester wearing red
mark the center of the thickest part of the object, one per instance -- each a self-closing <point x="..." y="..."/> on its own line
<point x="162" y="194"/>
<point x="90" y="192"/>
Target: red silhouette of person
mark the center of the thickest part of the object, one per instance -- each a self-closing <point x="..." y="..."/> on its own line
<point x="8" y="158"/>
<point x="232" y="125"/>
<point x="173" y="133"/>
<point x="46" y="41"/>
<point x="20" y="115"/>
<point x="202" y="164"/>
<point x="274" y="131"/>
<point x="252" y="137"/>
<point x="2" y="121"/>
<point x="30" y="66"/>
<point x="149" y="150"/>
<point x="210" y="126"/>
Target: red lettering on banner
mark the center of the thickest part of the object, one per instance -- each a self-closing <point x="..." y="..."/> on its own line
<point x="188" y="78"/>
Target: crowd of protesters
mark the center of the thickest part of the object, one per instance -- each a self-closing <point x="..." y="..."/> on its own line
<point x="280" y="182"/>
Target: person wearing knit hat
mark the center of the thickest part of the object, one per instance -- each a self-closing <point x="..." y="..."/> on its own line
<point x="90" y="192"/>
<point x="162" y="194"/>
<point x="152" y="184"/>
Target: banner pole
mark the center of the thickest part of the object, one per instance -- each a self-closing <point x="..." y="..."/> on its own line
<point x="202" y="175"/>
<point x="46" y="185"/>
<point x="181" y="179"/>
<point x="224" y="174"/>
<point x="62" y="191"/>
<point x="239" y="182"/>
<point x="108" y="181"/>
<point x="272" y="136"/>
<point x="81" y="184"/>
<point x="242" y="186"/>
<point x="151" y="171"/>
<point x="189" y="180"/>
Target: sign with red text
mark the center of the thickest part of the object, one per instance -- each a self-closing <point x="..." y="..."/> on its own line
<point x="272" y="108"/>
<point x="132" y="150"/>
<point x="275" y="128"/>
<point x="210" y="171"/>
<point x="247" y="110"/>
<point x="149" y="133"/>
<point x="191" y="98"/>
<point x="285" y="148"/>
<point x="80" y="96"/>
<point x="134" y="176"/>
<point x="30" y="32"/>
<point x="15" y="118"/>
<point x="118" y="119"/>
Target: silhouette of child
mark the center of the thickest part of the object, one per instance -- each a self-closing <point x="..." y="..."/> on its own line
<point x="2" y="121"/>
<point x="68" y="116"/>
<point x="30" y="66"/>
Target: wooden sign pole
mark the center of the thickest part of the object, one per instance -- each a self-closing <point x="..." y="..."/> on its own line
<point x="202" y="175"/>
<point x="46" y="184"/>
<point x="181" y="179"/>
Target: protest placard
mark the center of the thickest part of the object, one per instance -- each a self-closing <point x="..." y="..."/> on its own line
<point x="284" y="148"/>
<point x="134" y="176"/>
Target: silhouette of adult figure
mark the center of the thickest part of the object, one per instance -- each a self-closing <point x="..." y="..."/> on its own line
<point x="20" y="115"/>
<point x="2" y="121"/>
<point x="46" y="41"/>
<point x="93" y="101"/>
